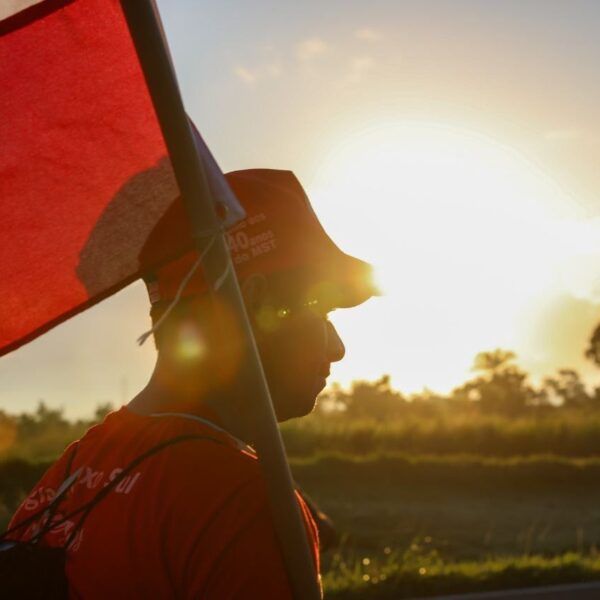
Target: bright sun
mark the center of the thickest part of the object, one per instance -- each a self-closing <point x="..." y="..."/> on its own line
<point x="466" y="234"/>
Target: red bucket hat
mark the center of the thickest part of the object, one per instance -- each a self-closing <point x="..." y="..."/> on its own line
<point x="280" y="237"/>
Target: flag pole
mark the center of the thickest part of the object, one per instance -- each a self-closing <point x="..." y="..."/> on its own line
<point x="146" y="31"/>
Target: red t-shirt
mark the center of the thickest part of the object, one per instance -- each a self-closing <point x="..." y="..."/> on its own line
<point x="191" y="521"/>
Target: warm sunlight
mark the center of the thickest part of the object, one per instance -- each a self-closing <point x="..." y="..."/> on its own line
<point x="164" y="167"/>
<point x="468" y="236"/>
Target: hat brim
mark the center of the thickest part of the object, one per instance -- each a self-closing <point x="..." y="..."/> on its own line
<point x="355" y="280"/>
<point x="343" y="282"/>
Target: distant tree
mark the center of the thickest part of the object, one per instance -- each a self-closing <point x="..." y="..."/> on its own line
<point x="371" y="399"/>
<point x="49" y="417"/>
<point x="569" y="389"/>
<point x="42" y="420"/>
<point x="8" y="431"/>
<point x="429" y="405"/>
<point x="102" y="410"/>
<point x="593" y="350"/>
<point x="501" y="387"/>
<point x="493" y="361"/>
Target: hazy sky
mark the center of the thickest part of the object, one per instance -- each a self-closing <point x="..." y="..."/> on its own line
<point x="455" y="144"/>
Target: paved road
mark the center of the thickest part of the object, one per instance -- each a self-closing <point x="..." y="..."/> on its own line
<point x="578" y="591"/>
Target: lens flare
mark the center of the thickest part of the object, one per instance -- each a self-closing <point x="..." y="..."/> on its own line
<point x="191" y="344"/>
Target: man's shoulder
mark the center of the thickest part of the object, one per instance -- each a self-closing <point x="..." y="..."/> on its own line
<point x="209" y="457"/>
<point x="173" y="441"/>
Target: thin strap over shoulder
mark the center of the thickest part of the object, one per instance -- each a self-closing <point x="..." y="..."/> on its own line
<point x="87" y="508"/>
<point x="71" y="459"/>
<point x="239" y="443"/>
<point x="52" y="507"/>
<point x="61" y="494"/>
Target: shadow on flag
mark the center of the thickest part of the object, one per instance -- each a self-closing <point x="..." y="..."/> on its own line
<point x="84" y="171"/>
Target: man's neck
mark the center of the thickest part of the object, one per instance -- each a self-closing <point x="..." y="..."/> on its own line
<point x="162" y="395"/>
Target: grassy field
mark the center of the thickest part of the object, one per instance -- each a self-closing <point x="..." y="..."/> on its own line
<point x="430" y="494"/>
<point x="418" y="525"/>
<point x="432" y="429"/>
<point x="441" y="432"/>
<point x="465" y="508"/>
<point x="411" y="575"/>
<point x="427" y="498"/>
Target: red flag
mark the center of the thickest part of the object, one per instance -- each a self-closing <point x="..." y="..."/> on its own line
<point x="84" y="172"/>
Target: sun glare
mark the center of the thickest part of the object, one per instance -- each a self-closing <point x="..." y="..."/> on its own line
<point x="467" y="237"/>
<point x="190" y="343"/>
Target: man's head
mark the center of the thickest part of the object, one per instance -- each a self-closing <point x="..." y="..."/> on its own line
<point x="291" y="274"/>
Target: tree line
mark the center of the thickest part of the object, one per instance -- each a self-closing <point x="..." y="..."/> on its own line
<point x="499" y="389"/>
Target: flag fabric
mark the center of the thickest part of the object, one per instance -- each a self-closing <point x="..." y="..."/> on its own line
<point x="84" y="171"/>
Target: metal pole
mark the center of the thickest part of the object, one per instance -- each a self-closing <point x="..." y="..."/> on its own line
<point x="145" y="27"/>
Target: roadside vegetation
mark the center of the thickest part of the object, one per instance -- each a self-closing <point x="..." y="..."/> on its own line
<point x="411" y="574"/>
<point x="495" y="485"/>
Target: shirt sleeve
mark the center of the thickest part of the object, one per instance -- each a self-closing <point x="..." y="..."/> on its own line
<point x="38" y="498"/>
<point x="250" y="564"/>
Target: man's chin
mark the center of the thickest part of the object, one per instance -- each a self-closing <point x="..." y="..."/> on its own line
<point x="320" y="386"/>
<point x="298" y="407"/>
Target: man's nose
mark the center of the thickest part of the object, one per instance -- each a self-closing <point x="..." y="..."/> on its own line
<point x="335" y="347"/>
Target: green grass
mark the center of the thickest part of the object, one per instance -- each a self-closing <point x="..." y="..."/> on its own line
<point x="415" y="573"/>
<point x="472" y="523"/>
<point x="469" y="507"/>
<point x="434" y="524"/>
<point x="561" y="432"/>
<point x="417" y="430"/>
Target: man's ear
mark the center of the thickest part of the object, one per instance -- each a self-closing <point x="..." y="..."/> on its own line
<point x="254" y="290"/>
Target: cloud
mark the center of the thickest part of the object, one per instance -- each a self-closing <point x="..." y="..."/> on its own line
<point x="250" y="76"/>
<point x="273" y="70"/>
<point x="580" y="276"/>
<point x="579" y="270"/>
<point x="359" y="66"/>
<point x="362" y="63"/>
<point x="368" y="35"/>
<point x="310" y="48"/>
<point x="564" y="135"/>
<point x="245" y="75"/>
